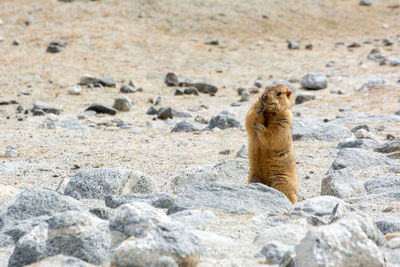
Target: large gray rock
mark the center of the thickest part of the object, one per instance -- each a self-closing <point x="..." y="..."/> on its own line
<point x="318" y="206"/>
<point x="359" y="143"/>
<point x="357" y="158"/>
<point x="47" y="107"/>
<point x="157" y="200"/>
<point x="186" y="126"/>
<point x="246" y="198"/>
<point x="389" y="147"/>
<point x="315" y="129"/>
<point x="352" y="241"/>
<point x="151" y="234"/>
<point x="314" y="81"/>
<point x="122" y="103"/>
<point x="388" y="224"/>
<point x="223" y="121"/>
<point x="386" y="184"/>
<point x="343" y="183"/>
<point x="273" y="252"/>
<point x="34" y="203"/>
<point x="97" y="183"/>
<point x="101" y="108"/>
<point x="71" y="233"/>
<point x="17" y="229"/>
<point x="227" y="171"/>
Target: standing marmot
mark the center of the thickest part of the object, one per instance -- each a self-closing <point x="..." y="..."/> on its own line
<point x="271" y="153"/>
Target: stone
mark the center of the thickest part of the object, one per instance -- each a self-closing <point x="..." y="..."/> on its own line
<point x="179" y="92"/>
<point x="157" y="200"/>
<point x="71" y="233"/>
<point x="318" y="206"/>
<point x="200" y="119"/>
<point x="171" y="79"/>
<point x="359" y="143"/>
<point x="47" y="107"/>
<point x="97" y="183"/>
<point x="301" y="98"/>
<point x="372" y="83"/>
<point x="273" y="252"/>
<point x="91" y="81"/>
<point x="363" y="134"/>
<point x="343" y="183"/>
<point x="75" y="90"/>
<point x="186" y="126"/>
<point x="354" y="45"/>
<point x="122" y="103"/>
<point x="151" y="234"/>
<point x="388" y="224"/>
<point x="314" y="81"/>
<point x="375" y="203"/>
<point x="389" y="147"/>
<point x="244" y="96"/>
<point x="191" y="91"/>
<point x="292" y="45"/>
<point x="152" y="111"/>
<point x="61" y="261"/>
<point x="243" y="152"/>
<point x="100" y="108"/>
<point x="353" y="240"/>
<point x="164" y="113"/>
<point x="387" y="42"/>
<point x="314" y="129"/>
<point x="228" y="198"/>
<point x="193" y="218"/>
<point x="202" y="87"/>
<point x="127" y="89"/>
<point x="357" y="158"/>
<point x="386" y="184"/>
<point x="34" y="203"/>
<point x="233" y="171"/>
<point x="223" y="121"/>
<point x="365" y="3"/>
<point x="212" y="42"/>
<point x="55" y="47"/>
<point x="164" y="261"/>
<point x="180" y="114"/>
<point x="11" y="153"/>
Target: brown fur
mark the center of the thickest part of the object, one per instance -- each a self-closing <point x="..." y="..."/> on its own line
<point x="389" y="236"/>
<point x="271" y="153"/>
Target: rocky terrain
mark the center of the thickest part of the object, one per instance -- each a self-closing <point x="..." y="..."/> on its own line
<point x="122" y="139"/>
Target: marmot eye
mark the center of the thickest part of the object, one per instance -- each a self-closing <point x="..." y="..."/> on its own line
<point x="279" y="94"/>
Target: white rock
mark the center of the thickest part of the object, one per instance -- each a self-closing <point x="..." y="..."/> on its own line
<point x="351" y="241"/>
<point x="76" y="90"/>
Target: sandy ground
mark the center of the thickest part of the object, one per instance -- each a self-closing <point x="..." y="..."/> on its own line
<point x="142" y="41"/>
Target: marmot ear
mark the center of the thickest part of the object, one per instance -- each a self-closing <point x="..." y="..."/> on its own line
<point x="289" y="93"/>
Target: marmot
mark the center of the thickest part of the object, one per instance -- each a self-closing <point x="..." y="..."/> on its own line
<point x="271" y="153"/>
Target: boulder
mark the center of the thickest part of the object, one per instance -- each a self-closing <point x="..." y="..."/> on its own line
<point x="314" y="81"/>
<point x="352" y="241"/>
<point x="157" y="200"/>
<point x="343" y="183"/>
<point x="246" y="198"/>
<point x="357" y="158"/>
<point x="223" y="121"/>
<point x="97" y="183"/>
<point x="318" y="206"/>
<point x="315" y="129"/>
<point x="379" y="185"/>
<point x="71" y="233"/>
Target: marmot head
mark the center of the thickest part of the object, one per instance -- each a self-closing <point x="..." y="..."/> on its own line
<point x="275" y="99"/>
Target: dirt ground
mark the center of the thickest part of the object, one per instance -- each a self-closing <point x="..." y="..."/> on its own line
<point x="142" y="41"/>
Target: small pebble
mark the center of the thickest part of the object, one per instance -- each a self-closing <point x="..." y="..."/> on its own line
<point x="225" y="152"/>
<point x="76" y="90"/>
<point x="11" y="153"/>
